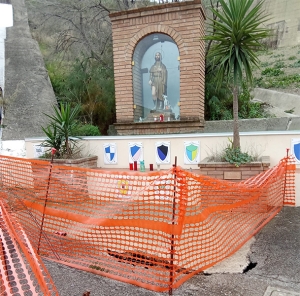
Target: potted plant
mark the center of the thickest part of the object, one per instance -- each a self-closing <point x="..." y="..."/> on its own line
<point x="232" y="164"/>
<point x="62" y="139"/>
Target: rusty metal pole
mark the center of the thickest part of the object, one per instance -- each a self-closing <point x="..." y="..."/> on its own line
<point x="53" y="150"/>
<point x="172" y="237"/>
<point x="285" y="173"/>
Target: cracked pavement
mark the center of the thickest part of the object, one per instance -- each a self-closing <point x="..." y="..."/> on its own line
<point x="277" y="272"/>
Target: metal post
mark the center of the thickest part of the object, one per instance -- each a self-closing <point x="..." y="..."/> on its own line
<point x="46" y="199"/>
<point x="172" y="236"/>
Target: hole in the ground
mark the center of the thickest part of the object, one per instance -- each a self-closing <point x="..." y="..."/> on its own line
<point x="250" y="266"/>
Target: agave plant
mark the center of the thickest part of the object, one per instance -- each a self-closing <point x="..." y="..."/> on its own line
<point x="61" y="130"/>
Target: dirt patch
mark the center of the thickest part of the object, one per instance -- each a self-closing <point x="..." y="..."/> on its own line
<point x="287" y="61"/>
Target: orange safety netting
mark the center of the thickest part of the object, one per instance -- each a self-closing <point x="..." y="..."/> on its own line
<point x="22" y="272"/>
<point x="151" y="229"/>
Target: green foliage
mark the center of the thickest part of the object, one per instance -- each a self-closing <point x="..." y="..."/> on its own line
<point x="232" y="155"/>
<point x="277" y="82"/>
<point x="292" y="58"/>
<point x="219" y="104"/>
<point x="57" y="76"/>
<point x="87" y="130"/>
<point x="279" y="65"/>
<point x="237" y="34"/>
<point x="272" y="72"/>
<point x="91" y="86"/>
<point x="61" y="131"/>
<point x="291" y="111"/>
<point x="247" y="108"/>
<point x="296" y="64"/>
<point x="53" y="139"/>
<point x="235" y="156"/>
<point x="218" y="109"/>
<point x="43" y="47"/>
<point x="265" y="64"/>
<point x="218" y="101"/>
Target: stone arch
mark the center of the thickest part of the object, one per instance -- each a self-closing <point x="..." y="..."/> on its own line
<point x="150" y="30"/>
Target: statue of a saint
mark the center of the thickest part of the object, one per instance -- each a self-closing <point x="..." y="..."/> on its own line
<point x="158" y="82"/>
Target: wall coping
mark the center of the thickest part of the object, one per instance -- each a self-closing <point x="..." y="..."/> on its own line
<point x="149" y="10"/>
<point x="188" y="135"/>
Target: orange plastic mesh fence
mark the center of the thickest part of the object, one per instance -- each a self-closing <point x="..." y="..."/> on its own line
<point x="21" y="270"/>
<point x="151" y="229"/>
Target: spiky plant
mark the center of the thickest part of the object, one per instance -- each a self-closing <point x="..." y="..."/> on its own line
<point x="237" y="34"/>
<point x="60" y="132"/>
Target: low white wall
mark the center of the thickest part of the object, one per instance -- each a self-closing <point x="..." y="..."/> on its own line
<point x="273" y="144"/>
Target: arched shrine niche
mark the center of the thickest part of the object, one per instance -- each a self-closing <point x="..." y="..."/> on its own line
<point x="156" y="78"/>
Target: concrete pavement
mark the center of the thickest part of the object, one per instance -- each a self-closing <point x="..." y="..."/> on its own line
<point x="272" y="269"/>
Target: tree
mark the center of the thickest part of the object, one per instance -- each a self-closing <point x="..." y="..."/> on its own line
<point x="91" y="86"/>
<point x="236" y="34"/>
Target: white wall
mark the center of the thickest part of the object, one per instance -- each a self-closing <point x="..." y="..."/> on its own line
<point x="273" y="144"/>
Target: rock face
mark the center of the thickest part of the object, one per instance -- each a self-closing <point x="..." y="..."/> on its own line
<point x="28" y="91"/>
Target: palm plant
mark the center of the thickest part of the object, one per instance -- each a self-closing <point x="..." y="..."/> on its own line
<point x="236" y="35"/>
<point x="61" y="130"/>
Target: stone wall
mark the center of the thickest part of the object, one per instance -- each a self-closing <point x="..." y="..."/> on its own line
<point x="28" y="91"/>
<point x="254" y="125"/>
<point x="284" y="20"/>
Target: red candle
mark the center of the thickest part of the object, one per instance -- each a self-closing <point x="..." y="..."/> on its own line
<point x="131" y="166"/>
<point x="135" y="165"/>
<point x="151" y="166"/>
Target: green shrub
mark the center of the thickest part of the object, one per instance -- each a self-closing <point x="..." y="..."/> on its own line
<point x="91" y="85"/>
<point x="57" y="76"/>
<point x="296" y="64"/>
<point x="247" y="108"/>
<point x="221" y="109"/>
<point x="292" y="58"/>
<point x="87" y="130"/>
<point x="235" y="155"/>
<point x="279" y="65"/>
<point x="265" y="64"/>
<point x="272" y="72"/>
<point x="277" y="82"/>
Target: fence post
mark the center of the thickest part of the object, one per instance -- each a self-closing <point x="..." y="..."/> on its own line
<point x="46" y="199"/>
<point x="172" y="236"/>
<point x="285" y="173"/>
